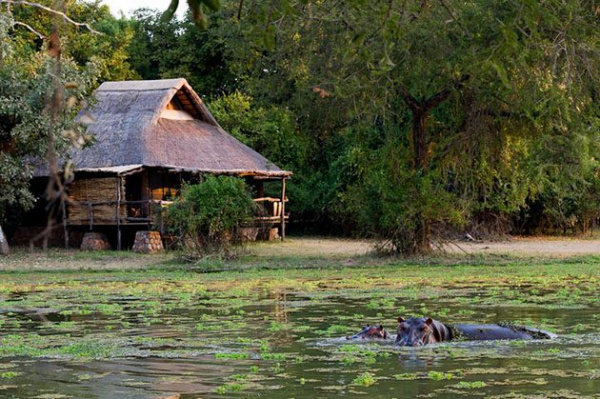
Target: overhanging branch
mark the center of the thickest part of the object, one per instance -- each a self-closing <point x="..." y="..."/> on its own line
<point x="52" y="11"/>
<point x="29" y="28"/>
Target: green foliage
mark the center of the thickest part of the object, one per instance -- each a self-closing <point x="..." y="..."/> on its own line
<point x="107" y="50"/>
<point x="391" y="201"/>
<point x="269" y="130"/>
<point x="208" y="215"/>
<point x="26" y="86"/>
<point x="504" y="95"/>
<point x="501" y="89"/>
<point x="177" y="49"/>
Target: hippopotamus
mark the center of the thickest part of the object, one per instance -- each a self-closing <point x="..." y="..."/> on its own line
<point x="419" y="331"/>
<point x="371" y="332"/>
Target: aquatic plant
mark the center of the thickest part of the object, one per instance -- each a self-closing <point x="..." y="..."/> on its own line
<point x="471" y="384"/>
<point x="365" y="379"/>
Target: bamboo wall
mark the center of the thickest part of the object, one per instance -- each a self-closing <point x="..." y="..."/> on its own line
<point x="102" y="192"/>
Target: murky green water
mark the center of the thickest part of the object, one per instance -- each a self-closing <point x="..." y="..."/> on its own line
<point x="122" y="336"/>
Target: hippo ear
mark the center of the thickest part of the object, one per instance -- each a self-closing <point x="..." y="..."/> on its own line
<point x="400" y="319"/>
<point x="380" y="327"/>
<point x="429" y="321"/>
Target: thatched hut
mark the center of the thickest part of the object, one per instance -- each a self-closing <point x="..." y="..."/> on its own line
<point x="150" y="137"/>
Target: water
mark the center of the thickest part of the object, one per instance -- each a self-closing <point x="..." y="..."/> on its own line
<point x="159" y="339"/>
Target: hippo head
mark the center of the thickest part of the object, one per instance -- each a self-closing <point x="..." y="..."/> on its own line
<point x="419" y="331"/>
<point x="370" y="332"/>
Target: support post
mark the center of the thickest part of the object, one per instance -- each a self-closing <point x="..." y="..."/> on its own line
<point x="283" y="209"/>
<point x="65" y="224"/>
<point x="145" y="195"/>
<point x="91" y="212"/>
<point x="119" y="179"/>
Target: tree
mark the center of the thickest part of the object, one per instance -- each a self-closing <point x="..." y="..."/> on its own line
<point x="36" y="122"/>
<point x="105" y="44"/>
<point x="465" y="91"/>
<point x="178" y="49"/>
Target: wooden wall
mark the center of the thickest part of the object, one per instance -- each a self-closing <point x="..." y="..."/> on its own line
<point x="102" y="193"/>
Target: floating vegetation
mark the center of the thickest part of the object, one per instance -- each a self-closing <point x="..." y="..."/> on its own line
<point x="471" y="385"/>
<point x="281" y="334"/>
<point x="365" y="379"/>
<point x="439" y="376"/>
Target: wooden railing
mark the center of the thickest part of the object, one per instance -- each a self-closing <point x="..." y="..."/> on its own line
<point x="131" y="212"/>
<point x="273" y="207"/>
<point x="141" y="212"/>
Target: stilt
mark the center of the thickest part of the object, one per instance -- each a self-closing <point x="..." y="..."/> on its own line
<point x="119" y="213"/>
<point x="65" y="224"/>
<point x="283" y="209"/>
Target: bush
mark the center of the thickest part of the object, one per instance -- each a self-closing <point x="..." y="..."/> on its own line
<point x="398" y="205"/>
<point x="207" y="217"/>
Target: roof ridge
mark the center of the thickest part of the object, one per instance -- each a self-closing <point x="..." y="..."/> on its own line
<point x="143" y="85"/>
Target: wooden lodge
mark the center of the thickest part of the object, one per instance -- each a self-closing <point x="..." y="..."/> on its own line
<point x="150" y="138"/>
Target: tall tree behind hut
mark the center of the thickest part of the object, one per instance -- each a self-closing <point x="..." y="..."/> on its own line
<point x="453" y="109"/>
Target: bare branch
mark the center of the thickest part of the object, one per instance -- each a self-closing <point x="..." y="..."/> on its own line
<point x="29" y="28"/>
<point x="52" y="11"/>
<point x="451" y="13"/>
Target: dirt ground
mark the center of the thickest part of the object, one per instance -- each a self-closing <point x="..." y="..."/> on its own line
<point x="296" y="248"/>
<point x="338" y="248"/>
<point x="530" y="246"/>
<point x="312" y="247"/>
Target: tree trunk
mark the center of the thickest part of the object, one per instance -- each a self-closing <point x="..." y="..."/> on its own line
<point x="420" y="110"/>
<point x="419" y="139"/>
<point x="422" y="236"/>
<point x="420" y="154"/>
<point x="3" y="243"/>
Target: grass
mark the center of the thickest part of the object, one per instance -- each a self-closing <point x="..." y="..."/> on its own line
<point x="293" y="254"/>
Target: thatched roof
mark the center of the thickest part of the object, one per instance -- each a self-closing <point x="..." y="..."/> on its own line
<point x="162" y="123"/>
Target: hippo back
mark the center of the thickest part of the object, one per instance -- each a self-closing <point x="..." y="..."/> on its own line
<point x="488" y="332"/>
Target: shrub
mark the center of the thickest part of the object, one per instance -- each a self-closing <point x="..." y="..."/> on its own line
<point x="207" y="217"/>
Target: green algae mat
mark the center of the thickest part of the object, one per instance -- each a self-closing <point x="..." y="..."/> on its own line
<point x="178" y="333"/>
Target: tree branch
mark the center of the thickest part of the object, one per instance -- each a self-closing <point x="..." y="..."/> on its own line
<point x="29" y="28"/>
<point x="422" y="7"/>
<point x="52" y="11"/>
<point x="412" y="102"/>
<point x="451" y="13"/>
<point x="239" y="14"/>
<point x="437" y="98"/>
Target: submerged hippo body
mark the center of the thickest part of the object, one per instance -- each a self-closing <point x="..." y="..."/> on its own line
<point x="418" y="331"/>
<point x="488" y="332"/>
<point x="371" y="332"/>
